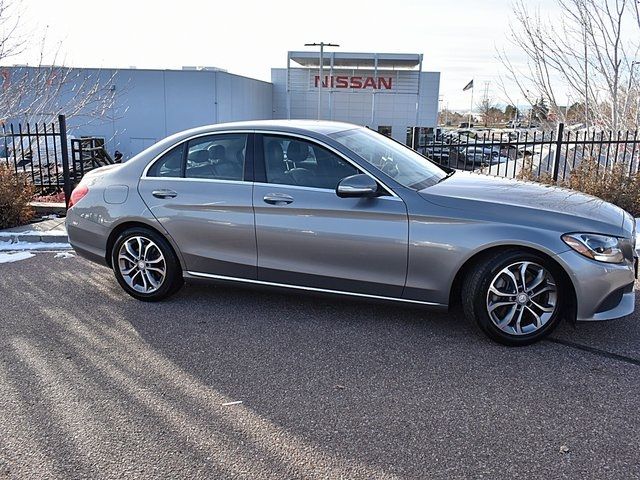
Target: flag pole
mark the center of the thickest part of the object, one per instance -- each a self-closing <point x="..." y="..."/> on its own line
<point x="471" y="108"/>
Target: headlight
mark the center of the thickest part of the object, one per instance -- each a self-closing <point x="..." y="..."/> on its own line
<point x="602" y="248"/>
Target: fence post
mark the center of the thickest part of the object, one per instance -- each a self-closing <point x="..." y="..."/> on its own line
<point x="62" y="125"/>
<point x="558" y="152"/>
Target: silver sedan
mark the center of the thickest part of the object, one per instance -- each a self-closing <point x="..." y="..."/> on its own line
<point x="338" y="209"/>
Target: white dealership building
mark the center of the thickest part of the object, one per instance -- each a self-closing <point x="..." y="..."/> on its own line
<point x="388" y="92"/>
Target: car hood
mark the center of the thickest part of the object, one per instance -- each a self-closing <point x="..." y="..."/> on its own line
<point x="514" y="201"/>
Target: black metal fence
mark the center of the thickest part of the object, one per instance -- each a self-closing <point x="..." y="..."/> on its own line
<point x="39" y="153"/>
<point x="534" y="154"/>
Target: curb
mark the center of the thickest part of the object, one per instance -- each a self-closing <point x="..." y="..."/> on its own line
<point x="49" y="208"/>
<point x="31" y="238"/>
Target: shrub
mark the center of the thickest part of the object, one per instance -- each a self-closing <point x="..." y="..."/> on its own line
<point x="613" y="184"/>
<point x="15" y="195"/>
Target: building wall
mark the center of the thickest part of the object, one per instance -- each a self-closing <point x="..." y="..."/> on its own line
<point x="152" y="104"/>
<point x="411" y="102"/>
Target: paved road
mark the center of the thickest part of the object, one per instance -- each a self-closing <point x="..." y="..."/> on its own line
<point x="94" y="384"/>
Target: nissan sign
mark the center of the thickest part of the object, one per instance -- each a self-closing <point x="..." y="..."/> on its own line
<point x="347" y="81"/>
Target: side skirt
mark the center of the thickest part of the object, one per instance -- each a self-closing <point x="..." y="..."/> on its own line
<point x="222" y="278"/>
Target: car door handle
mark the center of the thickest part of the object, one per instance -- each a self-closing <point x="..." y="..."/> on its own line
<point x="278" y="199"/>
<point x="164" y="193"/>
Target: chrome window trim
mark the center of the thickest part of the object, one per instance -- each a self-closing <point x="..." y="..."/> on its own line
<point x="311" y="289"/>
<point x="272" y="132"/>
<point x="316" y="189"/>
<point x="333" y="150"/>
<point x="184" y="140"/>
<point x="196" y="179"/>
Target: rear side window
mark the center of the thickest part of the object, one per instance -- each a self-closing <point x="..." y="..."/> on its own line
<point x="169" y="164"/>
<point x="218" y="157"/>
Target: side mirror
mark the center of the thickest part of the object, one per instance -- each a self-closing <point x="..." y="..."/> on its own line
<point x="360" y="185"/>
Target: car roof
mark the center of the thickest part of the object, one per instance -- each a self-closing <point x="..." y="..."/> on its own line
<point x="315" y="128"/>
<point x="318" y="126"/>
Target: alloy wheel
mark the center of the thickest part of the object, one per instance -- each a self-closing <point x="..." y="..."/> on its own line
<point x="522" y="298"/>
<point x="142" y="264"/>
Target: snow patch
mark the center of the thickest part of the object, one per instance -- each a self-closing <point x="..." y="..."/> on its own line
<point x="64" y="255"/>
<point x="37" y="233"/>
<point x="15" y="257"/>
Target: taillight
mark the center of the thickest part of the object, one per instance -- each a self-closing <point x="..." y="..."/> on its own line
<point x="78" y="194"/>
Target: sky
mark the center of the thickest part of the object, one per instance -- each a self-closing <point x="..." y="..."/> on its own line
<point x="458" y="38"/>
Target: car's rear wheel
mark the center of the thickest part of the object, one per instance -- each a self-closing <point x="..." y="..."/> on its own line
<point x="145" y="265"/>
<point x="515" y="297"/>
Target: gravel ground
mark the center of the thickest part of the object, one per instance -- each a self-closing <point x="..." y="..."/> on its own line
<point x="94" y="384"/>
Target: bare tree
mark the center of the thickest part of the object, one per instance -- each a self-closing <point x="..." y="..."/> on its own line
<point x="490" y="112"/>
<point x="586" y="56"/>
<point x="41" y="92"/>
<point x="450" y="117"/>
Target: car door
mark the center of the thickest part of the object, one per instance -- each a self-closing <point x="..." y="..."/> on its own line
<point x="308" y="236"/>
<point x="200" y="191"/>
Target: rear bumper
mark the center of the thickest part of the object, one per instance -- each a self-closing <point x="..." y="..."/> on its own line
<point x="603" y="291"/>
<point x="87" y="238"/>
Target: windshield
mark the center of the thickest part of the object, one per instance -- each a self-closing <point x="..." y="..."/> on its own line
<point x="392" y="158"/>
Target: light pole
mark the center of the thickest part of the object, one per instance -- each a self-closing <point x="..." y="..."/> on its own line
<point x="321" y="64"/>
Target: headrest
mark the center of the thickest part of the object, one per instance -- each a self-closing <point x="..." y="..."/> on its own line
<point x="199" y="156"/>
<point x="297" y="151"/>
<point x="216" y="152"/>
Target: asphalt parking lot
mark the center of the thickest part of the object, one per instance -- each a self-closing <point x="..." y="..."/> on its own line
<point x="94" y="384"/>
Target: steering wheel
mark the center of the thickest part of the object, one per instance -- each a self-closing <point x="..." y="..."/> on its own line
<point x="390" y="167"/>
<point x="300" y="176"/>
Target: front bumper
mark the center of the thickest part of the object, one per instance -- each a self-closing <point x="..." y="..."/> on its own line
<point x="603" y="291"/>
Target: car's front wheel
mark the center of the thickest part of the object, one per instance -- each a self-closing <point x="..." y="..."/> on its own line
<point x="145" y="265"/>
<point x="515" y="297"/>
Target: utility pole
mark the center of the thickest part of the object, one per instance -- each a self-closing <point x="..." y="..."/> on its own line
<point x="633" y="64"/>
<point x="321" y="64"/>
<point x="586" y="81"/>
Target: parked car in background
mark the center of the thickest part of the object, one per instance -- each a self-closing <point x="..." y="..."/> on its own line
<point x="338" y="209"/>
<point x="438" y="154"/>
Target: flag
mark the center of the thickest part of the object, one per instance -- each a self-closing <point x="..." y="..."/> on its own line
<point x="469" y="85"/>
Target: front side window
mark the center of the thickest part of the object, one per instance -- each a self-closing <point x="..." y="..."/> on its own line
<point x="293" y="161"/>
<point x="404" y="165"/>
<point x="219" y="157"/>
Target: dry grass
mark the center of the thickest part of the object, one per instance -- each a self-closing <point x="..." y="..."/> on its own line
<point x="15" y="195"/>
<point x="612" y="184"/>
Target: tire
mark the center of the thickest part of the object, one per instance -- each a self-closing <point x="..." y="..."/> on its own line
<point x="151" y="277"/>
<point x="493" y="296"/>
